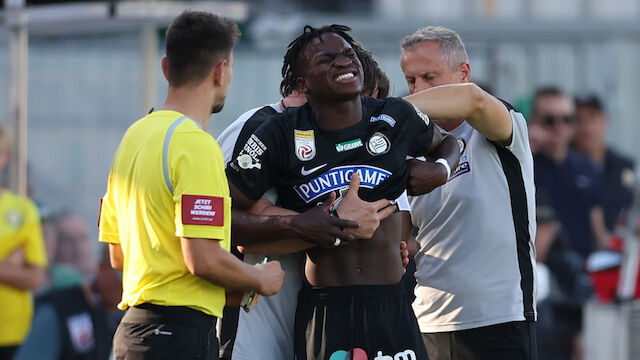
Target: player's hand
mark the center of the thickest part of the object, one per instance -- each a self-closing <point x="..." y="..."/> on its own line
<point x="272" y="277"/>
<point x="404" y="253"/>
<point x="367" y="214"/>
<point x="425" y="176"/>
<point x="318" y="227"/>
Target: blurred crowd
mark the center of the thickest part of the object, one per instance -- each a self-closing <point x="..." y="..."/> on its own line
<point x="584" y="191"/>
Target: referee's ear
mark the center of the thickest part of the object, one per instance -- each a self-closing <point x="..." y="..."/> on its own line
<point x="165" y="66"/>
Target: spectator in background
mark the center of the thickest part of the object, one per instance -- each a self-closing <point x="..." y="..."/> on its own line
<point x="565" y="175"/>
<point x="69" y="250"/>
<point x="563" y="287"/>
<point x="614" y="172"/>
<point x="76" y="322"/>
<point x="22" y="261"/>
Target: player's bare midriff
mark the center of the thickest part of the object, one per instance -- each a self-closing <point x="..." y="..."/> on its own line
<point x="374" y="261"/>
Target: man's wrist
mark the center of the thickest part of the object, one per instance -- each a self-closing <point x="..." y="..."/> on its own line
<point x="445" y="163"/>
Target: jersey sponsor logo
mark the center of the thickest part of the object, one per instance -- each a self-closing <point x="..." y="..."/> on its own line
<point x="422" y="115"/>
<point x="353" y="354"/>
<point x="463" y="167"/>
<point x="305" y="172"/>
<point x="360" y="354"/>
<point x="305" y="144"/>
<point x="384" y="117"/>
<point x="378" y="144"/>
<point x="14" y="218"/>
<point x="338" y="178"/>
<point x="349" y="145"/>
<point x="249" y="157"/>
<point x="202" y="210"/>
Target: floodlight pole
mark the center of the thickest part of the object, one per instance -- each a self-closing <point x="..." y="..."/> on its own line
<point x="15" y="18"/>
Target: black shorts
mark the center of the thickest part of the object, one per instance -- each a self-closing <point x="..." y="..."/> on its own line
<point x="346" y="322"/>
<point x="508" y="341"/>
<point x="150" y="331"/>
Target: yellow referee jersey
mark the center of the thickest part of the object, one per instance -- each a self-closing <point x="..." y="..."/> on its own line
<point x="167" y="181"/>
<point x="19" y="228"/>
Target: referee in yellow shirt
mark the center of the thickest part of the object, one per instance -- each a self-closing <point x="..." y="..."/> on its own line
<point x="167" y="212"/>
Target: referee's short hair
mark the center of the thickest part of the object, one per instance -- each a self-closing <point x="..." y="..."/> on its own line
<point x="195" y="42"/>
<point x="452" y="49"/>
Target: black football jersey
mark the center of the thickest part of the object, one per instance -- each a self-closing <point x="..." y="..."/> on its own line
<point x="305" y="162"/>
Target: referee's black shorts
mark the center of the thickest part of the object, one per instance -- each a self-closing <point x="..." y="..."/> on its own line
<point x="149" y="331"/>
<point x="508" y="341"/>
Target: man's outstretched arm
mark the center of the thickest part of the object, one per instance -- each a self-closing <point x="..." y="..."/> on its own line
<point x="467" y="101"/>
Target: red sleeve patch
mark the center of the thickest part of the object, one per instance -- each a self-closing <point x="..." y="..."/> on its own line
<point x="202" y="210"/>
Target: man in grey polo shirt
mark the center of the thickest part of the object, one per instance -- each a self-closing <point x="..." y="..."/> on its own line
<point x="475" y="269"/>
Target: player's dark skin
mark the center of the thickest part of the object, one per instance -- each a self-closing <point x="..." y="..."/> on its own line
<point x="336" y="105"/>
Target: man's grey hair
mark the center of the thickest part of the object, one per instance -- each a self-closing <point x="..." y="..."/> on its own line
<point x="452" y="49"/>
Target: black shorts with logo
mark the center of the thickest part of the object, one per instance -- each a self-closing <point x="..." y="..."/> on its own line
<point x="347" y="322"/>
<point x="149" y="331"/>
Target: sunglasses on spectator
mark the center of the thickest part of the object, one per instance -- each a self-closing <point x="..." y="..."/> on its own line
<point x="551" y="120"/>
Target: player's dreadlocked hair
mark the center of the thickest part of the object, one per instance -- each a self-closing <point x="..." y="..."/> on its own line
<point x="372" y="74"/>
<point x="291" y="68"/>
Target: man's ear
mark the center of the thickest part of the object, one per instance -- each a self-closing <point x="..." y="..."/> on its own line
<point x="219" y="72"/>
<point x="465" y="72"/>
<point x="165" y="67"/>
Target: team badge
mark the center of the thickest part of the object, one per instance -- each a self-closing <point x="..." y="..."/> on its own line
<point x="462" y="145"/>
<point x="378" y="144"/>
<point x="14" y="218"/>
<point x="305" y="144"/>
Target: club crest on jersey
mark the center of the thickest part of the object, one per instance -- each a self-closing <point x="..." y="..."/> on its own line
<point x="384" y="117"/>
<point x="378" y="144"/>
<point x="305" y="144"/>
<point x="338" y="178"/>
<point x="14" y="218"/>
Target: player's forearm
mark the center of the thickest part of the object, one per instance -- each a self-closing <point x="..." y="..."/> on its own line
<point x="249" y="229"/>
<point x="277" y="247"/>
<point x="23" y="277"/>
<point x="448" y="149"/>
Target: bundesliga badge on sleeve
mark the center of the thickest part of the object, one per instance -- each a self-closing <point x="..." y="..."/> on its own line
<point x="305" y="144"/>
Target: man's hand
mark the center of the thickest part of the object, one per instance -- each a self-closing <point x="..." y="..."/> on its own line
<point x="404" y="253"/>
<point x="318" y="227"/>
<point x="425" y="176"/>
<point x="367" y="214"/>
<point x="272" y="277"/>
<point x="16" y="258"/>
